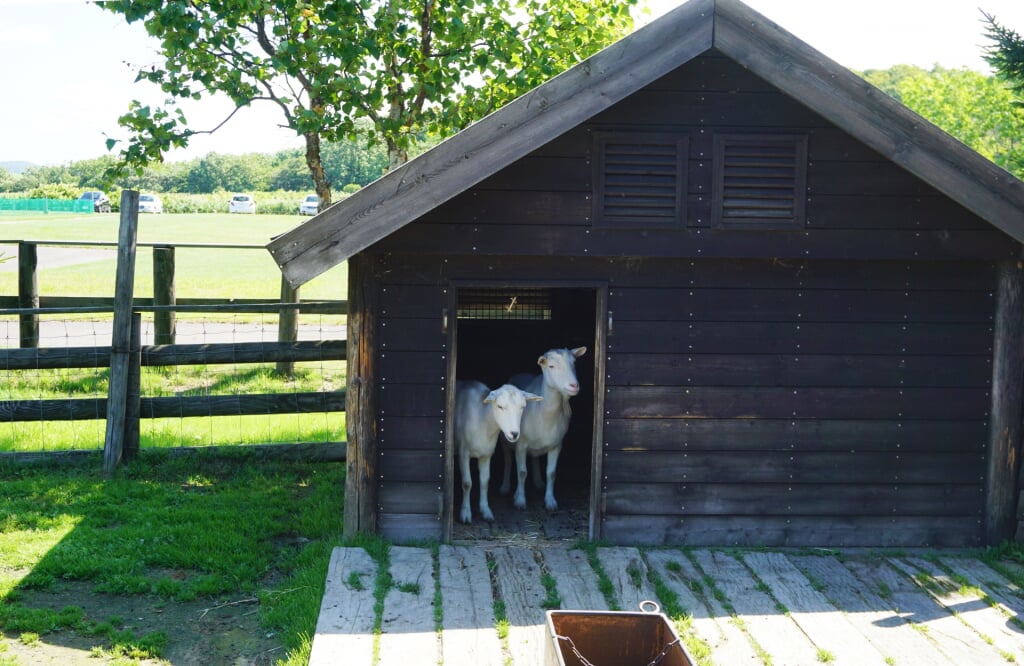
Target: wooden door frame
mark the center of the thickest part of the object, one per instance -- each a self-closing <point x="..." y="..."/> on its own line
<point x="601" y="322"/>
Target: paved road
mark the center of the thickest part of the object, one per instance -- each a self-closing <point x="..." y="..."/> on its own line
<point x="65" y="333"/>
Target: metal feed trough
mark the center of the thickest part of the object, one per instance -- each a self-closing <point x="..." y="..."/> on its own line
<point x="614" y="638"/>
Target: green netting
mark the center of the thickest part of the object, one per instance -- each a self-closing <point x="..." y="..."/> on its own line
<point x="45" y="205"/>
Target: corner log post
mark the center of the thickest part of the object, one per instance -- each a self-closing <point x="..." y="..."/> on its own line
<point x="1004" y="445"/>
<point x="360" y="398"/>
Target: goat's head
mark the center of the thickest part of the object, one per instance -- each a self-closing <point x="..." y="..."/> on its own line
<point x="559" y="368"/>
<point x="507" y="404"/>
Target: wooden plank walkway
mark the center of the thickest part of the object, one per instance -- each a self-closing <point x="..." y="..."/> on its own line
<point x="743" y="607"/>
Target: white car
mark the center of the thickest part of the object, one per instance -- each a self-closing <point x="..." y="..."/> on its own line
<point x="242" y="203"/>
<point x="150" y="203"/>
<point x="310" y="205"/>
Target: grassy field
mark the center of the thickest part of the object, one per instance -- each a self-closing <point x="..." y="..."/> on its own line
<point x="174" y="561"/>
<point x="200" y="273"/>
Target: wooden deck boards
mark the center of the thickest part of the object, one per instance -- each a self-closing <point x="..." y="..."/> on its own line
<point x="745" y="606"/>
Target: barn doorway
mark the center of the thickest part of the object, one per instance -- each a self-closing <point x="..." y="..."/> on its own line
<point x="501" y="331"/>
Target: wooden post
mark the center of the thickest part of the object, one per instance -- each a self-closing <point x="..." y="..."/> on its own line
<point x="133" y="403"/>
<point x="360" y="399"/>
<point x="163" y="294"/>
<point x="287" y="323"/>
<point x="28" y="294"/>
<point x="1007" y="391"/>
<point x="124" y="286"/>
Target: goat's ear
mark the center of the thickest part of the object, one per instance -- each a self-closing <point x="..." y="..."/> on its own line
<point x="579" y="351"/>
<point x="532" y="397"/>
<point x="542" y="361"/>
<point x="490" y="398"/>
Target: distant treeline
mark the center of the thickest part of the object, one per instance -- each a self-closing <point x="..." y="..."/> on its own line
<point x="349" y="165"/>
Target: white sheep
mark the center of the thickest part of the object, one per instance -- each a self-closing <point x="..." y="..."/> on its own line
<point x="479" y="416"/>
<point x="545" y="423"/>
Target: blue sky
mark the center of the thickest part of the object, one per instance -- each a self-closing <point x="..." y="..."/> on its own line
<point x="66" y="67"/>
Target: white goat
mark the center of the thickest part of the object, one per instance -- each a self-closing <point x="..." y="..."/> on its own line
<point x="544" y="424"/>
<point x="479" y="415"/>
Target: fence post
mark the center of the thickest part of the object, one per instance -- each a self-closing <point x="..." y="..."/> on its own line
<point x="124" y="286"/>
<point x="287" y="323"/>
<point x="28" y="294"/>
<point x="163" y="294"/>
<point x="133" y="403"/>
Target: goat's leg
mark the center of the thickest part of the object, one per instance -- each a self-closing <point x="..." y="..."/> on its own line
<point x="538" y="478"/>
<point x="483" y="465"/>
<point x="466" y="515"/>
<point x="519" y="499"/>
<point x="506" y="476"/>
<point x="549" y="492"/>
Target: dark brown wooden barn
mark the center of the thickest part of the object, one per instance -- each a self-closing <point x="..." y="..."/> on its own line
<point x="802" y="300"/>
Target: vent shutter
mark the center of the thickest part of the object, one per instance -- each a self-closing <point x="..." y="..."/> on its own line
<point x="640" y="179"/>
<point x="760" y="181"/>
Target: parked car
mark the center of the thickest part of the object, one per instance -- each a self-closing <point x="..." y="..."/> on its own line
<point x="310" y="205"/>
<point x="242" y="203"/>
<point x="100" y="201"/>
<point x="150" y="203"/>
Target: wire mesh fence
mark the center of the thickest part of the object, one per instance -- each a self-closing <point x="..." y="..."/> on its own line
<point x="220" y="383"/>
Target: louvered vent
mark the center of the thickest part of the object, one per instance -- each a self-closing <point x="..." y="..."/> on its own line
<point x="640" y="179"/>
<point x="760" y="181"/>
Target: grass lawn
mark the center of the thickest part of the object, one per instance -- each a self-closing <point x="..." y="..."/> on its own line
<point x="188" y="560"/>
<point x="199" y="272"/>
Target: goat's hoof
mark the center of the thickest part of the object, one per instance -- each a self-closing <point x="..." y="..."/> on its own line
<point x="489" y="517"/>
<point x="519" y="503"/>
<point x="466" y="518"/>
<point x="551" y="506"/>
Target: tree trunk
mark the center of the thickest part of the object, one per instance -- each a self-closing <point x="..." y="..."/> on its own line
<point x="316" y="169"/>
<point x="396" y="156"/>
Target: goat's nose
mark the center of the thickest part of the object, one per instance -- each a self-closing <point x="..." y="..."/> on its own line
<point x="574" y="387"/>
<point x="513" y="436"/>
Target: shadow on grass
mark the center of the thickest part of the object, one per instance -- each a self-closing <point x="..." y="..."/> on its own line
<point x="131" y="563"/>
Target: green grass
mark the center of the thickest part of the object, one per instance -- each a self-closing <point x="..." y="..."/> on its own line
<point x="199" y="272"/>
<point x="225" y="525"/>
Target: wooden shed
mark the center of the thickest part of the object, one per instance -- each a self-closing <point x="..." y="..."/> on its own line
<point x="803" y="300"/>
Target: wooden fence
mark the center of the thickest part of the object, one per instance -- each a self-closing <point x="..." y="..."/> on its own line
<point x="125" y="404"/>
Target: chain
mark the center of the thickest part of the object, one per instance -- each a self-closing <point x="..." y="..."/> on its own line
<point x="586" y="662"/>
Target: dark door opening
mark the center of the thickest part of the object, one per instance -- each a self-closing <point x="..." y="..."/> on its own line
<point x="501" y="332"/>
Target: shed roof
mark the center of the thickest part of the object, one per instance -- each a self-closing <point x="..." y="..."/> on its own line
<point x="579" y="93"/>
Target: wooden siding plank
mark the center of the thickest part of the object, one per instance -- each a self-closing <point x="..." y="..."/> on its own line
<point x="789" y="402"/>
<point x="820" y="244"/>
<point x="784" y="467"/>
<point x="411" y="399"/>
<point x="409" y="497"/>
<point x="494" y="142"/>
<point x="345" y="623"/>
<point x="710" y="621"/>
<point x="407" y="621"/>
<point x="575" y="579"/>
<point x="412" y="432"/>
<point x="813" y="338"/>
<point x="738" y="108"/>
<point x="468" y="637"/>
<point x="795" y="436"/>
<point x="412" y="301"/>
<point x="412" y="335"/>
<point x="424" y="466"/>
<point x="412" y="367"/>
<point x="816" y="617"/>
<point x="511" y="206"/>
<point x="519" y="584"/>
<point x="821" y="370"/>
<point x="804" y="499"/>
<point x="409" y="527"/>
<point x="872" y="615"/>
<point x="700" y="273"/>
<point x="802" y="304"/>
<point x="775" y="633"/>
<point x="786" y="531"/>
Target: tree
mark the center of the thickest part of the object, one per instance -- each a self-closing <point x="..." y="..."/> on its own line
<point x="408" y="67"/>
<point x="1006" y="53"/>
<point x="973" y="107"/>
